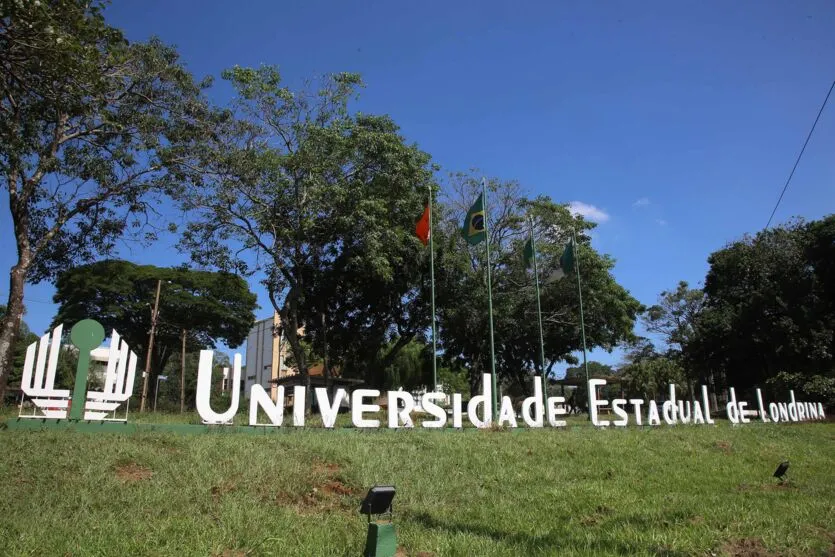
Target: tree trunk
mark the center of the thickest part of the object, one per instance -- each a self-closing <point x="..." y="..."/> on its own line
<point x="183" y="375"/>
<point x="326" y="372"/>
<point x="10" y="325"/>
<point x="290" y="315"/>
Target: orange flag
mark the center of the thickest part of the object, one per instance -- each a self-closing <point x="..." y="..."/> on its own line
<point x="422" y="229"/>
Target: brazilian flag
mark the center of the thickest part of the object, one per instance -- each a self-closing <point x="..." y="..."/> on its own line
<point x="475" y="229"/>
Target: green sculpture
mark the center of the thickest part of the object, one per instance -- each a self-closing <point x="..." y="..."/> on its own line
<point x="85" y="335"/>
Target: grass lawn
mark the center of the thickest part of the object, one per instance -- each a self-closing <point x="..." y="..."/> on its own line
<point x="685" y="490"/>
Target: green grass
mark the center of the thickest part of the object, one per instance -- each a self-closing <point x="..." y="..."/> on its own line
<point x="680" y="490"/>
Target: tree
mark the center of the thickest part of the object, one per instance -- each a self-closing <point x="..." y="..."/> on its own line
<point x="210" y="306"/>
<point x="610" y="311"/>
<point x="770" y="306"/>
<point x="25" y="338"/>
<point x="579" y="397"/>
<point x="675" y="314"/>
<point x="92" y="130"/>
<point x="320" y="203"/>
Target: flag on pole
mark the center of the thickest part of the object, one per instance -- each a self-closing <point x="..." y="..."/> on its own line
<point x="422" y="229"/>
<point x="527" y="254"/>
<point x="566" y="264"/>
<point x="473" y="228"/>
<point x="567" y="258"/>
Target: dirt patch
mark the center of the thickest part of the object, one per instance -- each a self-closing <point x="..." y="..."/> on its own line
<point x="403" y="553"/>
<point x="724" y="446"/>
<point x="226" y="486"/>
<point x="777" y="486"/>
<point x="696" y="520"/>
<point x="338" y="488"/>
<point x="747" y="547"/>
<point x="133" y="472"/>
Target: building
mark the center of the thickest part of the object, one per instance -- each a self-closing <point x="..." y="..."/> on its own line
<point x="266" y="351"/>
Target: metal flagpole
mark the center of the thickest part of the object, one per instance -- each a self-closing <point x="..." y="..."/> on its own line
<point x="582" y="321"/>
<point x="432" y="278"/>
<point x="539" y="317"/>
<point x="495" y="413"/>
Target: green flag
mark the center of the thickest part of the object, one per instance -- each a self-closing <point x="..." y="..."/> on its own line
<point x="567" y="259"/>
<point x="566" y="263"/>
<point x="474" y="227"/>
<point x="527" y="254"/>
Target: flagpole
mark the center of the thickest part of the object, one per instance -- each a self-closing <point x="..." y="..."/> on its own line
<point x="582" y="321"/>
<point x="495" y="413"/>
<point x="539" y="317"/>
<point x="432" y="279"/>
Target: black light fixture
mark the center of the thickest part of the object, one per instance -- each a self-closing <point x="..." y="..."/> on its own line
<point x="378" y="500"/>
<point x="381" y="540"/>
<point x="781" y="471"/>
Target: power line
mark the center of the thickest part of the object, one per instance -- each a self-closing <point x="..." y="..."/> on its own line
<point x="808" y="137"/>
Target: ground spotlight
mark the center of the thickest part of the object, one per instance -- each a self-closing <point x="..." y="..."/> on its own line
<point x="381" y="540"/>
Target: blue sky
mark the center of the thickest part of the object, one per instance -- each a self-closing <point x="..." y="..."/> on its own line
<point x="674" y="124"/>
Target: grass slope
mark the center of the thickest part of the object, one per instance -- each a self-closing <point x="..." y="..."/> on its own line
<point x="663" y="491"/>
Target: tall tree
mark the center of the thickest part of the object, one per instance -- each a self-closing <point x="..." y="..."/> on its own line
<point x="316" y="200"/>
<point x="210" y="306"/>
<point x="769" y="306"/>
<point x="91" y="129"/>
<point x="462" y="295"/>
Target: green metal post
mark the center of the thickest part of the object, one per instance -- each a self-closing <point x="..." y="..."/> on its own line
<point x="85" y="335"/>
<point x="582" y="320"/>
<point x="495" y="412"/>
<point x="539" y="317"/>
<point x="432" y="279"/>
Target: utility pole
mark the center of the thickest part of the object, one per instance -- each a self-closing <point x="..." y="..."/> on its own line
<point x="154" y="315"/>
<point x="183" y="374"/>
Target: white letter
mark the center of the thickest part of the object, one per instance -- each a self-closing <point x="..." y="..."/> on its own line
<point x="668" y="408"/>
<point x="707" y="406"/>
<point x="743" y="412"/>
<point x="427" y="402"/>
<point x="698" y="417"/>
<point x="204" y="389"/>
<point x="617" y="408"/>
<point x="395" y="414"/>
<point x="775" y="415"/>
<point x="763" y="416"/>
<point x="536" y="402"/>
<point x="456" y="411"/>
<point x="684" y="416"/>
<point x="732" y="408"/>
<point x="636" y="404"/>
<point x="507" y="414"/>
<point x="594" y="402"/>
<point x="483" y="399"/>
<point x="652" y="417"/>
<point x="274" y="410"/>
<point x="327" y="409"/>
<point x="358" y="407"/>
<point x="793" y="408"/>
<point x="820" y="411"/>
<point x="556" y="408"/>
<point x="299" y="396"/>
<point x="784" y="411"/>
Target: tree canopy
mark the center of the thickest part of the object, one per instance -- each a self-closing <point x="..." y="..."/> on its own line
<point x="319" y="203"/>
<point x="92" y="130"/>
<point x="769" y="306"/>
<point x="210" y="306"/>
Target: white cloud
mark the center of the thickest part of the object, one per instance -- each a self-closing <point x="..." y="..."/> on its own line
<point x="661" y="222"/>
<point x="588" y="211"/>
<point x="642" y="202"/>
